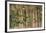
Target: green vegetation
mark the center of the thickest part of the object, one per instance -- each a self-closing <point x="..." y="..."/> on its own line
<point x="22" y="14"/>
